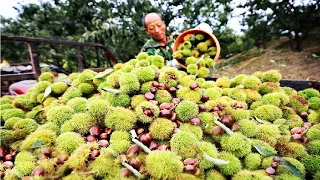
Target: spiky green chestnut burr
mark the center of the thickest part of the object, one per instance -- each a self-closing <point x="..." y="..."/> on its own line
<point x="314" y="117"/>
<point x="113" y="79"/>
<point x="79" y="123"/>
<point x="207" y="122"/>
<point x="252" y="95"/>
<point x="10" y="122"/>
<point x="186" y="81"/>
<point x="7" y="138"/>
<point x="239" y="114"/>
<point x="199" y="37"/>
<point x="276" y="98"/>
<point x="187" y="45"/>
<point x="24" y="168"/>
<point x="25" y="156"/>
<point x="233" y="167"/>
<point x="45" y="137"/>
<point x="143" y="63"/>
<point x="120" y="119"/>
<point x="236" y="144"/>
<point x="186" y="110"/>
<point x="186" y="176"/>
<point x="271" y="76"/>
<point x="169" y="76"/>
<point x="223" y="82"/>
<point x="252" y="161"/>
<point x="85" y="77"/>
<point x="192" y="128"/>
<point x="195" y="53"/>
<point x="208" y="148"/>
<point x="158" y="61"/>
<point x="299" y="103"/>
<point x="289" y="91"/>
<point x="49" y="126"/>
<point x="145" y="87"/>
<point x="184" y="144"/>
<point x="314" y="103"/>
<point x="27" y="125"/>
<point x="311" y="164"/>
<point x="191" y="60"/>
<point x="119" y="135"/>
<point x="78" y="176"/>
<point x="69" y="141"/>
<point x="251" y="82"/>
<point x="70" y="94"/>
<point x="161" y="129"/>
<point x="78" y="104"/>
<point x="163" y="165"/>
<point x="249" y="175"/>
<point x="237" y="94"/>
<point x="147" y="118"/>
<point x="294" y="150"/>
<point x="288" y="176"/>
<point x="202" y="46"/>
<point x="248" y="127"/>
<point x="209" y="62"/>
<point x="268" y="133"/>
<point x="59" y="114"/>
<point x="281" y="169"/>
<point x="293" y="120"/>
<point x="313" y="133"/>
<point x="163" y="96"/>
<point x="86" y="88"/>
<point x="127" y="68"/>
<point x="309" y="93"/>
<point x="59" y="87"/>
<point x="47" y="76"/>
<point x="186" y="52"/>
<point x="269" y="87"/>
<point x="237" y="80"/>
<point x="5" y="106"/>
<point x="203" y="72"/>
<point x="9" y="113"/>
<point x="142" y="55"/>
<point x="136" y="100"/>
<point x="144" y="74"/>
<point x="200" y="81"/>
<point x="98" y="109"/>
<point x="129" y="83"/>
<point x="208" y="84"/>
<point x="177" y="55"/>
<point x="215" y="175"/>
<point x="268" y="112"/>
<point x="120" y="99"/>
<point x="119" y="146"/>
<point x="192" y="69"/>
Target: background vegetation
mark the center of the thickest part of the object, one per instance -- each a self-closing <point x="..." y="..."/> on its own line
<point x="117" y="25"/>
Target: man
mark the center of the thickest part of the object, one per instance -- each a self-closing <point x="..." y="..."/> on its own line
<point x="159" y="43"/>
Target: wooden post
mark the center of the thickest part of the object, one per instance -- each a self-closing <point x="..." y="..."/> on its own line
<point x="80" y="58"/>
<point x="35" y="59"/>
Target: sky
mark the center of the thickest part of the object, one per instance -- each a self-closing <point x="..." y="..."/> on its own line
<point x="7" y="10"/>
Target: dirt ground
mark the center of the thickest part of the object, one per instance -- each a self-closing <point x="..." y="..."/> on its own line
<point x="292" y="65"/>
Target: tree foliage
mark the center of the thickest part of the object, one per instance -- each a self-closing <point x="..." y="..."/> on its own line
<point x="267" y="19"/>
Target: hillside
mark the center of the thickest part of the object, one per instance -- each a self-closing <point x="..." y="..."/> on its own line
<point x="303" y="65"/>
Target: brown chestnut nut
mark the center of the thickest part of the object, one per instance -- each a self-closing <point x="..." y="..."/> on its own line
<point x="153" y="90"/>
<point x="155" y="84"/>
<point x="176" y="100"/>
<point x="194" y="86"/>
<point x="149" y="96"/>
<point x="204" y="98"/>
<point x="95" y="131"/>
<point x="2" y="153"/>
<point x="7" y="164"/>
<point x="202" y="108"/>
<point x="125" y="173"/>
<point x="103" y="136"/>
<point x="195" y="121"/>
<point x="91" y="138"/>
<point x="145" y="138"/>
<point x="135" y="162"/>
<point x="8" y="157"/>
<point x="39" y="171"/>
<point x="153" y="145"/>
<point x="270" y="171"/>
<point x="133" y="150"/>
<point x="95" y="153"/>
<point x="103" y="143"/>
